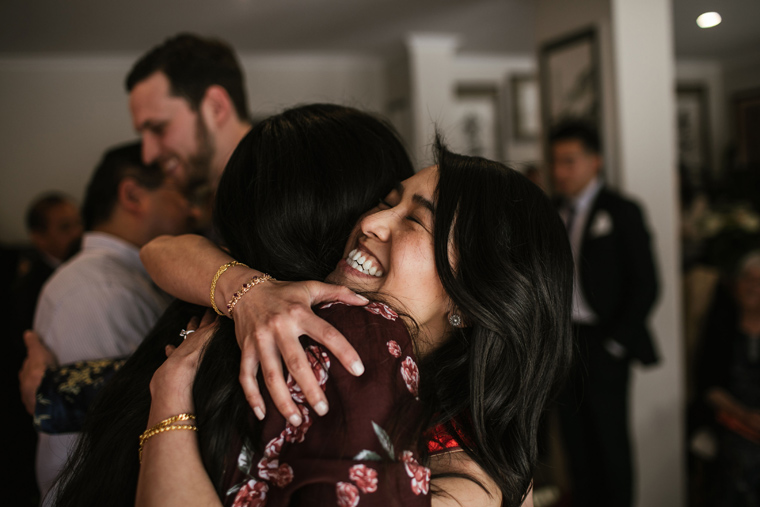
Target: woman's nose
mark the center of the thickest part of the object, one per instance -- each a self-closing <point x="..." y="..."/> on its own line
<point x="378" y="224"/>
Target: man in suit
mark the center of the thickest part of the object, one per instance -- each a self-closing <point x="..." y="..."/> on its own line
<point x="615" y="290"/>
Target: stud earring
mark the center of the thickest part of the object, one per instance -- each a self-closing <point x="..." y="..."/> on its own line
<point x="455" y="320"/>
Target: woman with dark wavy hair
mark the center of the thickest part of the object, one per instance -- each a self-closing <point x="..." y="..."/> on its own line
<point x="470" y="274"/>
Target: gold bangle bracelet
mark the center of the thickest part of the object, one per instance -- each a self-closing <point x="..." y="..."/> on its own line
<point x="166" y="425"/>
<point x="222" y="269"/>
<point x="245" y="288"/>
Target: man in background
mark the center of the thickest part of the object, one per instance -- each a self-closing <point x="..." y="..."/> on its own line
<point x="54" y="226"/>
<point x="102" y="302"/>
<point x="615" y="290"/>
<point x="188" y="103"/>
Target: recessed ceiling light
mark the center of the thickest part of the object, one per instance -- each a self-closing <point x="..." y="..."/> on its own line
<point x="709" y="20"/>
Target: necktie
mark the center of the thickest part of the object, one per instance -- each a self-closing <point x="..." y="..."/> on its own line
<point x="570" y="218"/>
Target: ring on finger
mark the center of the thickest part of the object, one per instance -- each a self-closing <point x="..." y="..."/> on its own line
<point x="184" y="333"/>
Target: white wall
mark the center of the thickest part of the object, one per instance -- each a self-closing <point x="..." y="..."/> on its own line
<point x="60" y="113"/>
<point x="496" y="71"/>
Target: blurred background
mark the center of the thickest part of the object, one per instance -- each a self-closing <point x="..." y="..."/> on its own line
<point x="678" y="106"/>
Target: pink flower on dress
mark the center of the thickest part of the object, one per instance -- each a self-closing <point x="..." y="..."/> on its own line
<point x="348" y="495"/>
<point x="297" y="434"/>
<point x="420" y="475"/>
<point x="381" y="309"/>
<point x="252" y="494"/>
<point x="295" y="390"/>
<point x="278" y="474"/>
<point x="394" y="348"/>
<point x="364" y="477"/>
<point x="320" y="363"/>
<point x="274" y="447"/>
<point x="411" y="375"/>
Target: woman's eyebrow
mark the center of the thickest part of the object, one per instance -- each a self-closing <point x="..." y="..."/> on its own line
<point x="417" y="198"/>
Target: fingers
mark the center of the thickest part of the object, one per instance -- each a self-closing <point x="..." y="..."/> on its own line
<point x="208" y="318"/>
<point x="325" y="292"/>
<point x="322" y="332"/>
<point x="249" y="367"/>
<point x="278" y="390"/>
<point x="36" y="351"/>
<point x="169" y="349"/>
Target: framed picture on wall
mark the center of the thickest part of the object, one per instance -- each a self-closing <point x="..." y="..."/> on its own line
<point x="525" y="105"/>
<point x="477" y="122"/>
<point x="570" y="78"/>
<point x="693" y="132"/>
<point x="747" y="106"/>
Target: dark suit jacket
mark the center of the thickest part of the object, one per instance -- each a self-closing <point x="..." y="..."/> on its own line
<point x="617" y="273"/>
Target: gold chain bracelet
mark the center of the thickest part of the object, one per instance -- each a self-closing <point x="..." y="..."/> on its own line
<point x="245" y="288"/>
<point x="222" y="269"/>
<point x="166" y="425"/>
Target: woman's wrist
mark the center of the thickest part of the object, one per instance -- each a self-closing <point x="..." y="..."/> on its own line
<point x="229" y="284"/>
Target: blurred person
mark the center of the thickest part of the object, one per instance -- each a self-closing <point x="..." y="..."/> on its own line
<point x="54" y="226"/>
<point x="534" y="174"/>
<point x="615" y="290"/>
<point x="728" y="388"/>
<point x="187" y="101"/>
<point x="102" y="302"/>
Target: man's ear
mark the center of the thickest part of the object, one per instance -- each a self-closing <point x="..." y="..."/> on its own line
<point x="216" y="106"/>
<point x="131" y="196"/>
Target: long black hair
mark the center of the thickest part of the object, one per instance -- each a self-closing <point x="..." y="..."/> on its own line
<point x="286" y="203"/>
<point x="511" y="282"/>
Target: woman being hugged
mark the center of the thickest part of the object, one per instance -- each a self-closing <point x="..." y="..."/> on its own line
<point x="471" y="276"/>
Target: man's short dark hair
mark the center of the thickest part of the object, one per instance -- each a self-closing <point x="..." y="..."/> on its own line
<point x="37" y="214"/>
<point x="577" y="130"/>
<point x="102" y="192"/>
<point x="192" y="64"/>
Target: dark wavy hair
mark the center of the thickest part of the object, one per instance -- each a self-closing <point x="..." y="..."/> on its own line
<point x="286" y="203"/>
<point x="511" y="281"/>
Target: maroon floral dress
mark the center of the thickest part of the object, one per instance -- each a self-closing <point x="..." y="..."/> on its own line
<point x="347" y="457"/>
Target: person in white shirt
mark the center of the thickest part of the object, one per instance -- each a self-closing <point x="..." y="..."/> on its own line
<point x="102" y="302"/>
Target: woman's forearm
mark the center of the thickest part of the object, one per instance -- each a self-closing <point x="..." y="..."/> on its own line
<point x="172" y="472"/>
<point x="184" y="266"/>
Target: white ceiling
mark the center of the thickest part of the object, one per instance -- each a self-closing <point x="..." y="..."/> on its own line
<point x="491" y="26"/>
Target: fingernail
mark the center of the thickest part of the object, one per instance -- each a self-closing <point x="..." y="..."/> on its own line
<point x="295" y="420"/>
<point x="357" y="368"/>
<point x="259" y="413"/>
<point x="362" y="298"/>
<point x="321" y="408"/>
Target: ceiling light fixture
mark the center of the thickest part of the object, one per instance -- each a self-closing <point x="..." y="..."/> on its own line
<point x="709" y="20"/>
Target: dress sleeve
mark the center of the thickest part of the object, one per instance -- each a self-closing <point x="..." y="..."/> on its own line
<point x="362" y="452"/>
<point x="67" y="392"/>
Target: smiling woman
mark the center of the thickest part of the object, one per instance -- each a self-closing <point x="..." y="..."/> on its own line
<point x="435" y="411"/>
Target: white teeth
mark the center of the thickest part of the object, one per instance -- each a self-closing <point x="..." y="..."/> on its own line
<point x="359" y="261"/>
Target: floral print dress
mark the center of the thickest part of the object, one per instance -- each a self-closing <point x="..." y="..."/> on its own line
<point x="346" y="458"/>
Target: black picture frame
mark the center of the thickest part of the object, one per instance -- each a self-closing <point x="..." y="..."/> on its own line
<point x="570" y="79"/>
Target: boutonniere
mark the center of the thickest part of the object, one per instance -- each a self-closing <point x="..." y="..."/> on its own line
<point x="602" y="224"/>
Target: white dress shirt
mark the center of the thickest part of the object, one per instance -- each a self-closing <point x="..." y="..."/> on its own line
<point x="582" y="312"/>
<point x="100" y="304"/>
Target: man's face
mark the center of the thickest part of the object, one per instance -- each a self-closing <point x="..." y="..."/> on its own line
<point x="168" y="211"/>
<point x="64" y="228"/>
<point x="573" y="167"/>
<point x="173" y="135"/>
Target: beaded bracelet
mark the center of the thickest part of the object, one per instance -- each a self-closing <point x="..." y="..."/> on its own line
<point x="166" y="425"/>
<point x="222" y="269"/>
<point x="245" y="288"/>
